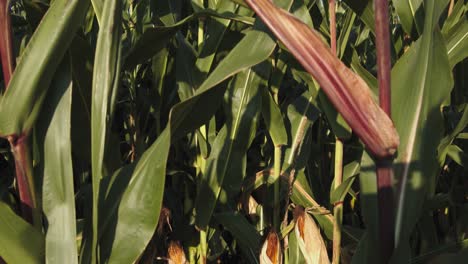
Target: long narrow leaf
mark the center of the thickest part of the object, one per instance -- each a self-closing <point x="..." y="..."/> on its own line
<point x="58" y="197"/>
<point x="138" y="212"/>
<point x="106" y="77"/>
<point x="229" y="147"/>
<point x="21" y="104"/>
<point x="457" y="42"/>
<point x="156" y="38"/>
<point x="409" y="12"/>
<point x="254" y="48"/>
<point x="346" y="90"/>
<point x="421" y="82"/>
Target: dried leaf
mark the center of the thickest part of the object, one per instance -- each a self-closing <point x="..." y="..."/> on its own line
<point x="309" y="238"/>
<point x="346" y="90"/>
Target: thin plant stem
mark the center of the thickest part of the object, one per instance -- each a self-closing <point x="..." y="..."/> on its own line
<point x="18" y="143"/>
<point x="382" y="38"/>
<point x="6" y="48"/>
<point x="24" y="179"/>
<point x="201" y="32"/>
<point x="338" y="207"/>
<point x="385" y="208"/>
<point x="203" y="246"/>
<point x="276" y="184"/>
<point x="384" y="168"/>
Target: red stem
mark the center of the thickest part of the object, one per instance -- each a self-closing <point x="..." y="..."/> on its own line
<point x="6" y="48"/>
<point x="19" y="147"/>
<point x="19" y="144"/>
<point x="6" y="59"/>
<point x="382" y="39"/>
<point x="386" y="209"/>
<point x="384" y="168"/>
<point x="338" y="172"/>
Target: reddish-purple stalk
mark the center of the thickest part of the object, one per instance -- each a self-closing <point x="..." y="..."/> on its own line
<point x="384" y="167"/>
<point x="18" y="143"/>
<point x="6" y="57"/>
<point x="19" y="147"/>
<point x="6" y="48"/>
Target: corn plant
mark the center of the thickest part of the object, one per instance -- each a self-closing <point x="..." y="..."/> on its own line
<point x="233" y="131"/>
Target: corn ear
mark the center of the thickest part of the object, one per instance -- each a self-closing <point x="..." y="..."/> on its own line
<point x="271" y="250"/>
<point x="309" y="238"/>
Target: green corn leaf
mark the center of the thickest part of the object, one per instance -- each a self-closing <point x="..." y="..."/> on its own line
<point x="106" y="77"/>
<point x="249" y="239"/>
<point x="81" y="63"/>
<point x="365" y="75"/>
<point x="98" y="6"/>
<point x="138" y="210"/>
<point x="113" y="188"/>
<point x="273" y="119"/>
<point x="58" y="197"/>
<point x="458" y="155"/>
<point x="19" y="241"/>
<point x="216" y="29"/>
<point x="421" y="81"/>
<point x="368" y="247"/>
<point x="301" y="116"/>
<point x="349" y="175"/>
<point x="227" y="160"/>
<point x="21" y="104"/>
<point x="456" y="16"/>
<point x="446" y="142"/>
<point x="410" y="14"/>
<point x="181" y="122"/>
<point x="457" y="42"/>
<point x="254" y="48"/>
<point x="343" y="39"/>
<point x="364" y="9"/>
<point x="156" y="38"/>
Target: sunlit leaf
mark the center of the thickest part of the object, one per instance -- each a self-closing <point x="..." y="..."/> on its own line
<point x="58" y="197"/>
<point x="421" y="82"/>
<point x="21" y="104"/>
<point x="346" y="90"/>
<point x="19" y="241"/>
<point x="106" y="78"/>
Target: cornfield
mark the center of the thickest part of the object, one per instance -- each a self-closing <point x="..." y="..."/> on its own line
<point x="233" y="131"/>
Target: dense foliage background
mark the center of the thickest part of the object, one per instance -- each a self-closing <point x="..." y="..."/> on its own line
<point x="154" y="129"/>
